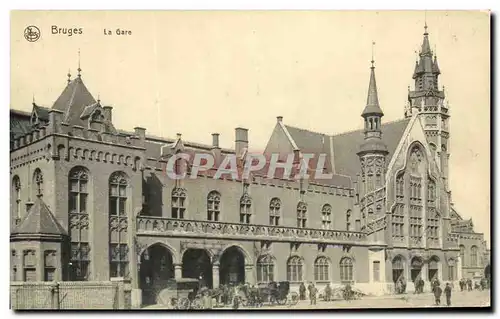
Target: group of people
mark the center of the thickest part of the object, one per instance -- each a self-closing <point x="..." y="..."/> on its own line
<point x="469" y="285"/>
<point x="437" y="291"/>
<point x="313" y="291"/>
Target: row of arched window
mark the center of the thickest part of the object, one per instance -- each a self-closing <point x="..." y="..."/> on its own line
<point x="179" y="196"/>
<point x="37" y="191"/>
<point x="474" y="261"/>
<point x="296" y="270"/>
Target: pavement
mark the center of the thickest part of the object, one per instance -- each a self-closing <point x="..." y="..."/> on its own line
<point x="426" y="300"/>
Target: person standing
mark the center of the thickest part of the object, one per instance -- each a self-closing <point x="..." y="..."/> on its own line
<point x="312" y="293"/>
<point x="447" y="293"/>
<point x="437" y="294"/>
<point x="328" y="292"/>
<point x="302" y="291"/>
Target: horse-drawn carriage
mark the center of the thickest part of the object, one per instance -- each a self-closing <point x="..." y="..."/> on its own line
<point x="273" y="293"/>
<point x="181" y="294"/>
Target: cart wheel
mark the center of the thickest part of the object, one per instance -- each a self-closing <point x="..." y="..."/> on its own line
<point x="281" y="301"/>
<point x="197" y="303"/>
<point x="294" y="298"/>
<point x="183" y="304"/>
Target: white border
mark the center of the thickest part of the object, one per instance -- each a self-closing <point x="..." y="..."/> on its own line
<point x="188" y="5"/>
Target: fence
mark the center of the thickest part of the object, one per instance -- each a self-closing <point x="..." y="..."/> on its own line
<point x="69" y="295"/>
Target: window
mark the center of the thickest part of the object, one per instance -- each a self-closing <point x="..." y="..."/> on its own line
<point x="400" y="187"/>
<point x="16" y="188"/>
<point x="326" y="217"/>
<point x="118" y="225"/>
<point x="13" y="265"/>
<point x="29" y="264"/>
<point x="118" y="260"/>
<point x="473" y="256"/>
<point x="79" y="224"/>
<point x="274" y="212"/>
<point x="462" y="254"/>
<point x="213" y="205"/>
<point x="117" y="194"/>
<point x="432" y="224"/>
<point x="38" y="182"/>
<point x="294" y="269"/>
<point x="321" y="269"/>
<point x="301" y="215"/>
<point x="50" y="263"/>
<point x="431" y="193"/>
<point x="348" y="220"/>
<point x="398" y="221"/>
<point x="376" y="271"/>
<point x="178" y="203"/>
<point x="346" y="269"/>
<point x="265" y="269"/>
<point x="245" y="206"/>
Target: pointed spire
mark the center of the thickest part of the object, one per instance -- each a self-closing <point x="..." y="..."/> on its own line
<point x="34" y="99"/>
<point x="426" y="47"/>
<point x="79" y="68"/>
<point x="372" y="105"/>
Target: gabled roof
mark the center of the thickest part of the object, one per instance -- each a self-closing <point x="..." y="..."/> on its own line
<point x="40" y="221"/>
<point x="345" y="145"/>
<point x="42" y="112"/>
<point x="73" y="100"/>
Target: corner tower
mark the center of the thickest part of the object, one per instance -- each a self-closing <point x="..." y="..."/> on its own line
<point x="372" y="152"/>
<point x="427" y="100"/>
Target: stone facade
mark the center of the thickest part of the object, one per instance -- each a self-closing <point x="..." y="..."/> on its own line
<point x="91" y="203"/>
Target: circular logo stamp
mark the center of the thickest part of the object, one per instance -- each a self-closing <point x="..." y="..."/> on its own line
<point x="32" y="33"/>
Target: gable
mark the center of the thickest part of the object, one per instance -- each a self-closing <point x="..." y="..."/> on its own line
<point x="279" y="142"/>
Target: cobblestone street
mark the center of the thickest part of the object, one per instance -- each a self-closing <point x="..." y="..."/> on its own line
<point x="459" y="299"/>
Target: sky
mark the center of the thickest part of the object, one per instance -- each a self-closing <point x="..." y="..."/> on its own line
<point x="198" y="73"/>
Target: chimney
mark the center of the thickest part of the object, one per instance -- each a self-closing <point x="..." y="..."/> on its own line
<point x="241" y="141"/>
<point x="279" y="118"/>
<point x="55" y="119"/>
<point x="107" y="111"/>
<point x="215" y="140"/>
<point x="140" y="132"/>
<point x="179" y="136"/>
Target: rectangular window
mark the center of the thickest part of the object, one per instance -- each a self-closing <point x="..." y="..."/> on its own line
<point x="376" y="271"/>
<point x="30" y="274"/>
<point x="49" y="274"/>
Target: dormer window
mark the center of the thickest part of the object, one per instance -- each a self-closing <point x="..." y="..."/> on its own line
<point x="97" y="116"/>
<point x="34" y="119"/>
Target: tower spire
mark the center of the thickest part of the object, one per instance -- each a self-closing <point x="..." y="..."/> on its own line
<point x="372" y="105"/>
<point x="79" y="68"/>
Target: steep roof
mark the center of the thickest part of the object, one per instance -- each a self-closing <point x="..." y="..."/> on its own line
<point x="73" y="100"/>
<point x="40" y="221"/>
<point x="19" y="123"/>
<point x="345" y="145"/>
<point x="372" y="105"/>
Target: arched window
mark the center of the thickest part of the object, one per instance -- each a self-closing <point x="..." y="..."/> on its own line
<point x="245" y="206"/>
<point x="274" y="212"/>
<point x="326" y="216"/>
<point x="462" y="255"/>
<point x="118" y="224"/>
<point x="400" y="186"/>
<point x="178" y="203"/>
<point x="346" y="270"/>
<point x="213" y="206"/>
<point x="16" y="194"/>
<point x="265" y="269"/>
<point x="348" y="220"/>
<point x="294" y="269"/>
<point x="473" y="256"/>
<point x="321" y="269"/>
<point x="301" y="215"/>
<point x="431" y="192"/>
<point x="397" y="268"/>
<point x="38" y="182"/>
<point x="79" y="224"/>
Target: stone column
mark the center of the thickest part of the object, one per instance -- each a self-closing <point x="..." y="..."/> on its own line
<point x="178" y="271"/>
<point x="215" y="276"/>
<point x="249" y="274"/>
<point x="425" y="271"/>
<point x="459" y="268"/>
